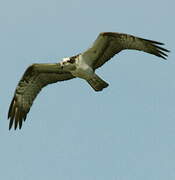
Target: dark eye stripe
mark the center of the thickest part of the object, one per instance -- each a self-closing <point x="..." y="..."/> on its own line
<point x="72" y="60"/>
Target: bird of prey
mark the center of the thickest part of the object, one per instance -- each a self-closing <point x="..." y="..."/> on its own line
<point x="82" y="66"/>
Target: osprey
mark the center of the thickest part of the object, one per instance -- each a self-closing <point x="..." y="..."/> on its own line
<point x="82" y="66"/>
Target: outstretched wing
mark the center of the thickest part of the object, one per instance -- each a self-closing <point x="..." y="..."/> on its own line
<point x="108" y="44"/>
<point x="33" y="80"/>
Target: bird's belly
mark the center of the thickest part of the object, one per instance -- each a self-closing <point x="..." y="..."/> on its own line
<point x="83" y="73"/>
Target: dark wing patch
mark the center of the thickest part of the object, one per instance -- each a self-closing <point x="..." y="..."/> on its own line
<point x="28" y="88"/>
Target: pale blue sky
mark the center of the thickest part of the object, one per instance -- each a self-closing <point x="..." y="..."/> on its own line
<point x="125" y="132"/>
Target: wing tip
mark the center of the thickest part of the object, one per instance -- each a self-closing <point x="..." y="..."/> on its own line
<point x="16" y="115"/>
<point x="157" y="50"/>
<point x="161" y="52"/>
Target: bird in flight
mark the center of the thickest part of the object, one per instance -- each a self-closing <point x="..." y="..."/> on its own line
<point x="82" y="66"/>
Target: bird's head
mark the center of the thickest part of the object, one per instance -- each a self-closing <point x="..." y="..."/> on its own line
<point x="68" y="64"/>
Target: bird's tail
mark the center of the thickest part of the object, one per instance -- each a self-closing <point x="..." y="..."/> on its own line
<point x="97" y="83"/>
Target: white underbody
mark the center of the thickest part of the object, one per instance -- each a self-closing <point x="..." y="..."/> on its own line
<point x="81" y="68"/>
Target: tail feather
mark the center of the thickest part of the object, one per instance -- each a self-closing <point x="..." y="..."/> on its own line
<point x="97" y="83"/>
